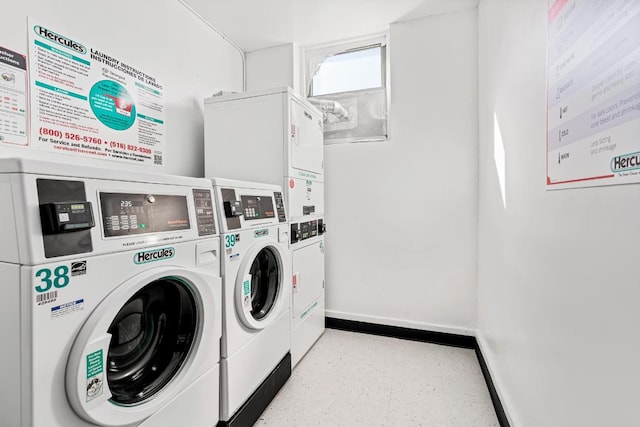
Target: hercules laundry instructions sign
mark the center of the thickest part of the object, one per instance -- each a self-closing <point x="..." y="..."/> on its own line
<point x="90" y="103"/>
<point x="593" y="98"/>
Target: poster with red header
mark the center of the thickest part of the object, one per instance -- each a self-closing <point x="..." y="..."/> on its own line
<point x="593" y="93"/>
<point x="13" y="98"/>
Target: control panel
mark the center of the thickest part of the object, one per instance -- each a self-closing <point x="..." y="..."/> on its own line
<point x="66" y="217"/>
<point x="100" y="215"/>
<point x="233" y="208"/>
<point x="61" y="217"/>
<point x="257" y="207"/>
<point x="251" y="207"/>
<point x="307" y="229"/>
<point x="125" y="214"/>
<point x="282" y="216"/>
<point x="203" y="201"/>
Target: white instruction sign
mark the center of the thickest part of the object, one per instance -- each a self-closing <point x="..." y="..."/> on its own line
<point x="593" y="107"/>
<point x="91" y="103"/>
<point x="13" y="98"/>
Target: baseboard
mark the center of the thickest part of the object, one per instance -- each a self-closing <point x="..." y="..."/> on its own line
<point x="498" y="389"/>
<point x="497" y="403"/>
<point x="433" y="337"/>
<point x="454" y="340"/>
<point x="255" y="405"/>
<point x="403" y="323"/>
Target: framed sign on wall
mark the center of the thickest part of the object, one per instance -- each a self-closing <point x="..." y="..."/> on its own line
<point x="593" y="93"/>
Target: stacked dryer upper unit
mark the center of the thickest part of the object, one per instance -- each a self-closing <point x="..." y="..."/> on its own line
<point x="112" y="298"/>
<point x="276" y="136"/>
<point x="256" y="269"/>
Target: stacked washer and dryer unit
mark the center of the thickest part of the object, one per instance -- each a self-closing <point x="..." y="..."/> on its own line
<point x="112" y="298"/>
<point x="276" y="136"/>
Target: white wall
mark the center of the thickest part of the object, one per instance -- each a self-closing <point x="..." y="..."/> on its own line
<point x="558" y="287"/>
<point x="160" y="37"/>
<point x="402" y="215"/>
<point x="276" y="66"/>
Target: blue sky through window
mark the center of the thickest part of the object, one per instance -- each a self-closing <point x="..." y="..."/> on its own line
<point x="349" y="71"/>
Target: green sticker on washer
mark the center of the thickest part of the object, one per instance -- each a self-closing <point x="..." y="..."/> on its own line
<point x="95" y="375"/>
<point x="94" y="364"/>
<point x="303" y="315"/>
<point x="246" y="287"/>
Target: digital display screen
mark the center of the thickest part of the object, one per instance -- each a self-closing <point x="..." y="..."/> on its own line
<point x="125" y="214"/>
<point x="130" y="203"/>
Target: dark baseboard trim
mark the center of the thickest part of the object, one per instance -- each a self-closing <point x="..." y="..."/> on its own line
<point x="497" y="404"/>
<point x="251" y="410"/>
<point x="454" y="340"/>
<point x="442" y="338"/>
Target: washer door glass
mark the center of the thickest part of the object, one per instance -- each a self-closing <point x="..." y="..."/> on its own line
<point x="265" y="281"/>
<point x="151" y="338"/>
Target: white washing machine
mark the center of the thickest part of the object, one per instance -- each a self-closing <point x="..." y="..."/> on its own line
<point x="256" y="270"/>
<point x="112" y="298"/>
<point x="278" y="135"/>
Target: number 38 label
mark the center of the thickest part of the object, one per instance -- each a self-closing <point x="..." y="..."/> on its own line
<point x="56" y="278"/>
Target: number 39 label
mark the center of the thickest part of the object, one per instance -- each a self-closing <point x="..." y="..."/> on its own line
<point x="229" y="240"/>
<point x="56" y="278"/>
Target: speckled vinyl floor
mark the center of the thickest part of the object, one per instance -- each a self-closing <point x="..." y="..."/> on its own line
<point x="351" y="379"/>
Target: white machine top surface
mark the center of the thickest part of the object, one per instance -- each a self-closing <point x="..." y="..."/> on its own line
<point x="263" y="92"/>
<point x="40" y="167"/>
<point x="250" y="94"/>
<point x="234" y="183"/>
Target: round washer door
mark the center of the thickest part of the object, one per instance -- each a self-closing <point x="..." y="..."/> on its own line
<point x="260" y="285"/>
<point x="133" y="352"/>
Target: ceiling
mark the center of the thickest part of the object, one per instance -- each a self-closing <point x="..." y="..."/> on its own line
<point x="257" y="24"/>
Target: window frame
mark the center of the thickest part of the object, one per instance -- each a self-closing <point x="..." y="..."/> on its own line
<point x="314" y="55"/>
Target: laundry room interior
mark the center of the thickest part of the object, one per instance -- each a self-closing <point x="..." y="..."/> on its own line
<point x="436" y="271"/>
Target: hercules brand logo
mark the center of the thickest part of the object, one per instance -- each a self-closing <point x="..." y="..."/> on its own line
<point x="625" y="162"/>
<point x="61" y="40"/>
<point x="261" y="233"/>
<point x="154" y="255"/>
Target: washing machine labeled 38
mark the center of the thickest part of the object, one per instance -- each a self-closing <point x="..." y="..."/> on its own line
<point x="113" y="291"/>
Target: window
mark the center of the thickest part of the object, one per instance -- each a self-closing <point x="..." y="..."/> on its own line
<point x="348" y="81"/>
<point x="349" y="71"/>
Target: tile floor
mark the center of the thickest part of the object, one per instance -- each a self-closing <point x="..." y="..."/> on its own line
<point x="352" y="379"/>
